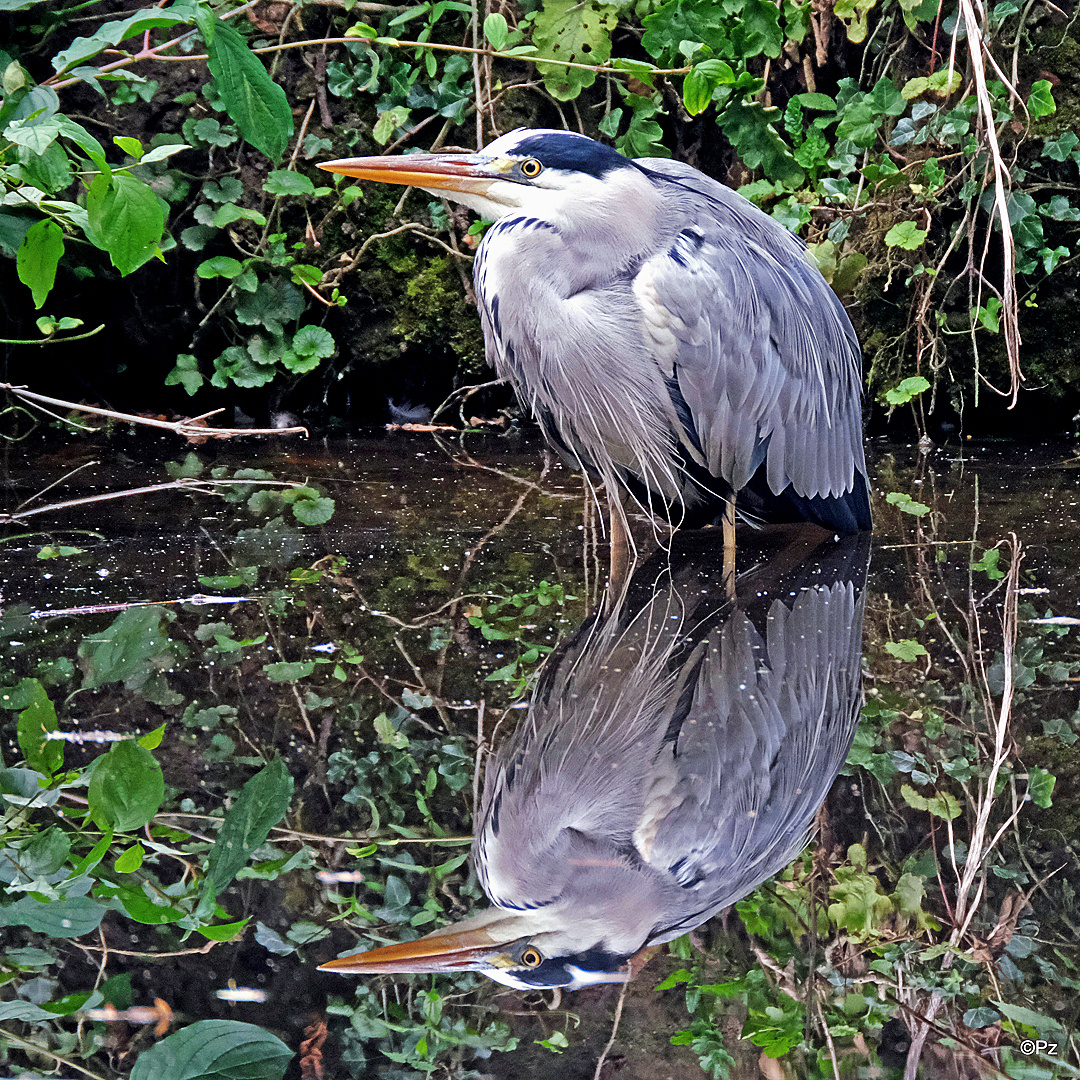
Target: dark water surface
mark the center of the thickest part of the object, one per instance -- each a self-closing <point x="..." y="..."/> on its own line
<point x="405" y="601"/>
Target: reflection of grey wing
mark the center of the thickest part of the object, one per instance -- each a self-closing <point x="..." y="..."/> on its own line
<point x="769" y="725"/>
<point x="758" y="345"/>
<point x="568" y="784"/>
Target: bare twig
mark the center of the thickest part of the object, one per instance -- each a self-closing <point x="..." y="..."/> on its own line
<point x="614" y="1030"/>
<point x="192" y="428"/>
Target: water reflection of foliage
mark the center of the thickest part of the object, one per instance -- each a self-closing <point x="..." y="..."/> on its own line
<point x="947" y="914"/>
<point x="874" y="929"/>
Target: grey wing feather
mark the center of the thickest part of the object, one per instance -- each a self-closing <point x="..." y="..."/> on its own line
<point x="770" y="724"/>
<point x="761" y="348"/>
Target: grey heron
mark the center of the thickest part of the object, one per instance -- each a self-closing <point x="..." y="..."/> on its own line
<point x="674" y="755"/>
<point x="673" y="340"/>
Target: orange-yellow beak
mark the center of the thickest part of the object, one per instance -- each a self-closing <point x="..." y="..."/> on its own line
<point x="469" y="173"/>
<point x="477" y="944"/>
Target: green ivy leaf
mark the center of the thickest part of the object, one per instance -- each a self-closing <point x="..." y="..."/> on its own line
<point x="749" y="128"/>
<point x="578" y="32"/>
<point x="906" y="235"/>
<point x="942" y="805"/>
<point x="185" y="373"/>
<point x="126" y="787"/>
<point x="261" y="804"/>
<point x="1041" y="786"/>
<point x="389" y="121"/>
<point x="1040" y="101"/>
<point x="255" y="103"/>
<point x="215" y="1050"/>
<point x="38" y="257"/>
<point x="906" y="504"/>
<point x="909" y="388"/>
<point x="906" y="649"/>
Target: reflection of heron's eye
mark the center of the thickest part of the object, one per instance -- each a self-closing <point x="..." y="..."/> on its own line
<point x="530" y="957"/>
<point x="529" y="169"/>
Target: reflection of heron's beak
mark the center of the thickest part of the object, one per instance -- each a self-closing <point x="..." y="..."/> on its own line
<point x="469" y="173"/>
<point x="477" y="944"/>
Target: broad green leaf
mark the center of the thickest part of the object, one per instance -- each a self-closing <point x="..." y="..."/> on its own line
<point x="261" y="804"/>
<point x="68" y="918"/>
<point x="130" y="860"/>
<point x="38" y="257"/>
<point x="1059" y="149"/>
<point x="186" y="373"/>
<point x="496" y="30"/>
<point x="981" y="1017"/>
<point x="152" y="739"/>
<point x="389" y="121"/>
<point x="907" y="389"/>
<point x="127" y="220"/>
<point x="220" y="266"/>
<point x="131" y="147"/>
<point x="289" y="671"/>
<point x="387" y="733"/>
<point x="313" y="341"/>
<point x="820" y="102"/>
<point x="138" y="906"/>
<point x="313" y="510"/>
<point x="20" y="1009"/>
<point x="288" y="182"/>
<point x="256" y="104"/>
<point x="215" y="1050"/>
<point x="230" y="212"/>
<point x="126" y="787"/>
<point x="35" y="722"/>
<point x="112" y="33"/>
<point x="42" y="855"/>
<point x="576" y="31"/>
<point x="132" y="649"/>
<point x="1018" y="1014"/>
<point x="224" y="931"/>
<point x="696" y="92"/>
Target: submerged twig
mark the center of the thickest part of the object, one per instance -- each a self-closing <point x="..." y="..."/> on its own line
<point x="185" y="484"/>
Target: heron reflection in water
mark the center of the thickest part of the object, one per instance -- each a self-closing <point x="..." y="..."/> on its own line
<point x="673" y="757"/>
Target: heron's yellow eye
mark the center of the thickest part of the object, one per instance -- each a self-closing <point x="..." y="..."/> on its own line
<point x="530" y="957"/>
<point x="531" y="168"/>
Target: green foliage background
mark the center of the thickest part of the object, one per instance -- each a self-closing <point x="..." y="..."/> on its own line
<point x="158" y="171"/>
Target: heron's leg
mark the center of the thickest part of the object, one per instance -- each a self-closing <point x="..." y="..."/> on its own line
<point x="728" y="523"/>
<point x="622" y="549"/>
